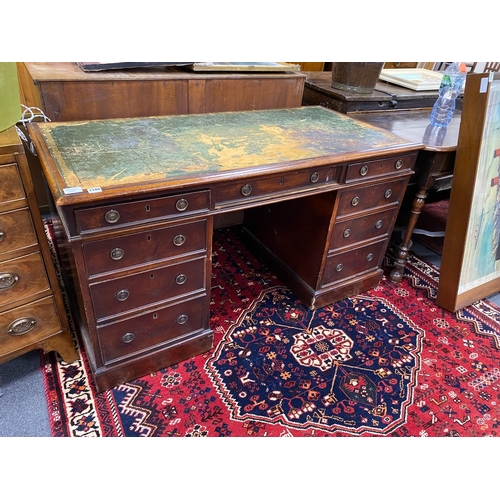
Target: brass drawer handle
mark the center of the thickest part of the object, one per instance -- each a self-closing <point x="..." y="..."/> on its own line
<point x="8" y="280"/>
<point x="355" y="201"/>
<point x="347" y="233"/>
<point x="181" y="279"/>
<point x="388" y="193"/>
<point x="379" y="224"/>
<point x="128" y="337"/>
<point x="398" y="164"/>
<point x="246" y="190"/>
<point x="181" y="205"/>
<point x="179" y="240"/>
<point x="339" y="267"/>
<point x="363" y="170"/>
<point x="117" y="253"/>
<point x="2" y="234"/>
<point x="112" y="216"/>
<point x="369" y="257"/>
<point x="314" y="177"/>
<point x="21" y="326"/>
<point x="122" y="295"/>
<point x="182" y="319"/>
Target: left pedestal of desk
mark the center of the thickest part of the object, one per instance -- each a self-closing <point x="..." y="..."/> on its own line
<point x="32" y="311"/>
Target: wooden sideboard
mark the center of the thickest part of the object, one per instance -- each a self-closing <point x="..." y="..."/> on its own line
<point x="32" y="311"/>
<point x="67" y="93"/>
<point x="137" y="200"/>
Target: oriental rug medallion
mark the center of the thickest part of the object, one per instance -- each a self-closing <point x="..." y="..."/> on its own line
<point x="388" y="362"/>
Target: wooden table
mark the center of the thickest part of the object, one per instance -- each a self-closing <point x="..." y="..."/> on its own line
<point x="65" y="92"/>
<point x="137" y="198"/>
<point x="385" y="97"/>
<point x="434" y="165"/>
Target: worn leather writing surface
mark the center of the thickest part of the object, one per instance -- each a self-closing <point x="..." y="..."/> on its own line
<point x="117" y="151"/>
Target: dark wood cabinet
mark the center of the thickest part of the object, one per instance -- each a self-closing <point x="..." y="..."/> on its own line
<point x="32" y="311"/>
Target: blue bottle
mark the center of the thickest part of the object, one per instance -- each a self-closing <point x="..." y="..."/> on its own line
<point x="450" y="88"/>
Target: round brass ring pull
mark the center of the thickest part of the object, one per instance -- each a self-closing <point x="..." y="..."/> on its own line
<point x="112" y="216"/>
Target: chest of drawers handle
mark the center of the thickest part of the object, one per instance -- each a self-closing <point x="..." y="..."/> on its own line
<point x="182" y="319"/>
<point x="112" y="216"/>
<point x="369" y="257"/>
<point x="122" y="295"/>
<point x="379" y="224"/>
<point x="8" y="280"/>
<point x="314" y="177"/>
<point x="117" y="253"/>
<point x="363" y="170"/>
<point x="2" y="235"/>
<point x="347" y="233"/>
<point x="181" y="205"/>
<point x="355" y="201"/>
<point x="246" y="190"/>
<point x="388" y="193"/>
<point x="128" y="337"/>
<point x="398" y="164"/>
<point x="339" y="267"/>
<point x="179" y="240"/>
<point x="21" y="326"/>
<point x="181" y="279"/>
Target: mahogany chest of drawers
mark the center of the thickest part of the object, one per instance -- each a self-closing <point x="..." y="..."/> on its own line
<point x="137" y="200"/>
<point x="32" y="312"/>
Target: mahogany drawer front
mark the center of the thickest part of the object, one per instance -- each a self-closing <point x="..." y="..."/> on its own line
<point x="11" y="188"/>
<point x="344" y="265"/>
<point x="373" y="168"/>
<point x="22" y="277"/>
<point x="144" y="247"/>
<point x="349" y="232"/>
<point x="16" y="231"/>
<point x="150" y="329"/>
<point x="133" y="212"/>
<point x="245" y="190"/>
<point x="371" y="197"/>
<point x="120" y="295"/>
<point x="29" y="323"/>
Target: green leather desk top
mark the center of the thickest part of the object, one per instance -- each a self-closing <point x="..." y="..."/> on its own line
<point x="184" y="150"/>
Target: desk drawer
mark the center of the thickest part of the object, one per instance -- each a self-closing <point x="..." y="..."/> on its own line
<point x="375" y="196"/>
<point x="22" y="277"/>
<point x="273" y="186"/>
<point x="348" y="264"/>
<point x="143" y="247"/>
<point x="133" y="212"/>
<point x="16" y="231"/>
<point x="373" y="168"/>
<point x="120" y="295"/>
<point x="27" y="324"/>
<point x="12" y="185"/>
<point x="150" y="329"/>
<point x="352" y="231"/>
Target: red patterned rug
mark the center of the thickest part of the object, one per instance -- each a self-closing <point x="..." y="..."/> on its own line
<point x="385" y="363"/>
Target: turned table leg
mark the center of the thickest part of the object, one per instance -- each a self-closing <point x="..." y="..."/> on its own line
<point x="403" y="249"/>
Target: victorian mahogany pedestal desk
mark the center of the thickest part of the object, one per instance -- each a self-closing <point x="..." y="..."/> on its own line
<point x="137" y="199"/>
<point x="433" y="168"/>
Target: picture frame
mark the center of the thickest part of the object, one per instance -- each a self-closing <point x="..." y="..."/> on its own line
<point x="413" y="78"/>
<point x="470" y="264"/>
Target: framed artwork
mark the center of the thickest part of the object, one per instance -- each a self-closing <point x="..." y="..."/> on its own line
<point x="470" y="265"/>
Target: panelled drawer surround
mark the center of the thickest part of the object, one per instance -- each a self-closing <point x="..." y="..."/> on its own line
<point x="12" y="188"/>
<point x="111" y="254"/>
<point x="121" y="295"/>
<point x="374" y="168"/>
<point x="144" y="211"/>
<point x="22" y="277"/>
<point x="244" y="191"/>
<point x="344" y="265"/>
<point x="16" y="232"/>
<point x="152" y="328"/>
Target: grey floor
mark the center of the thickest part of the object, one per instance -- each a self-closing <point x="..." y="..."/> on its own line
<point x="23" y="406"/>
